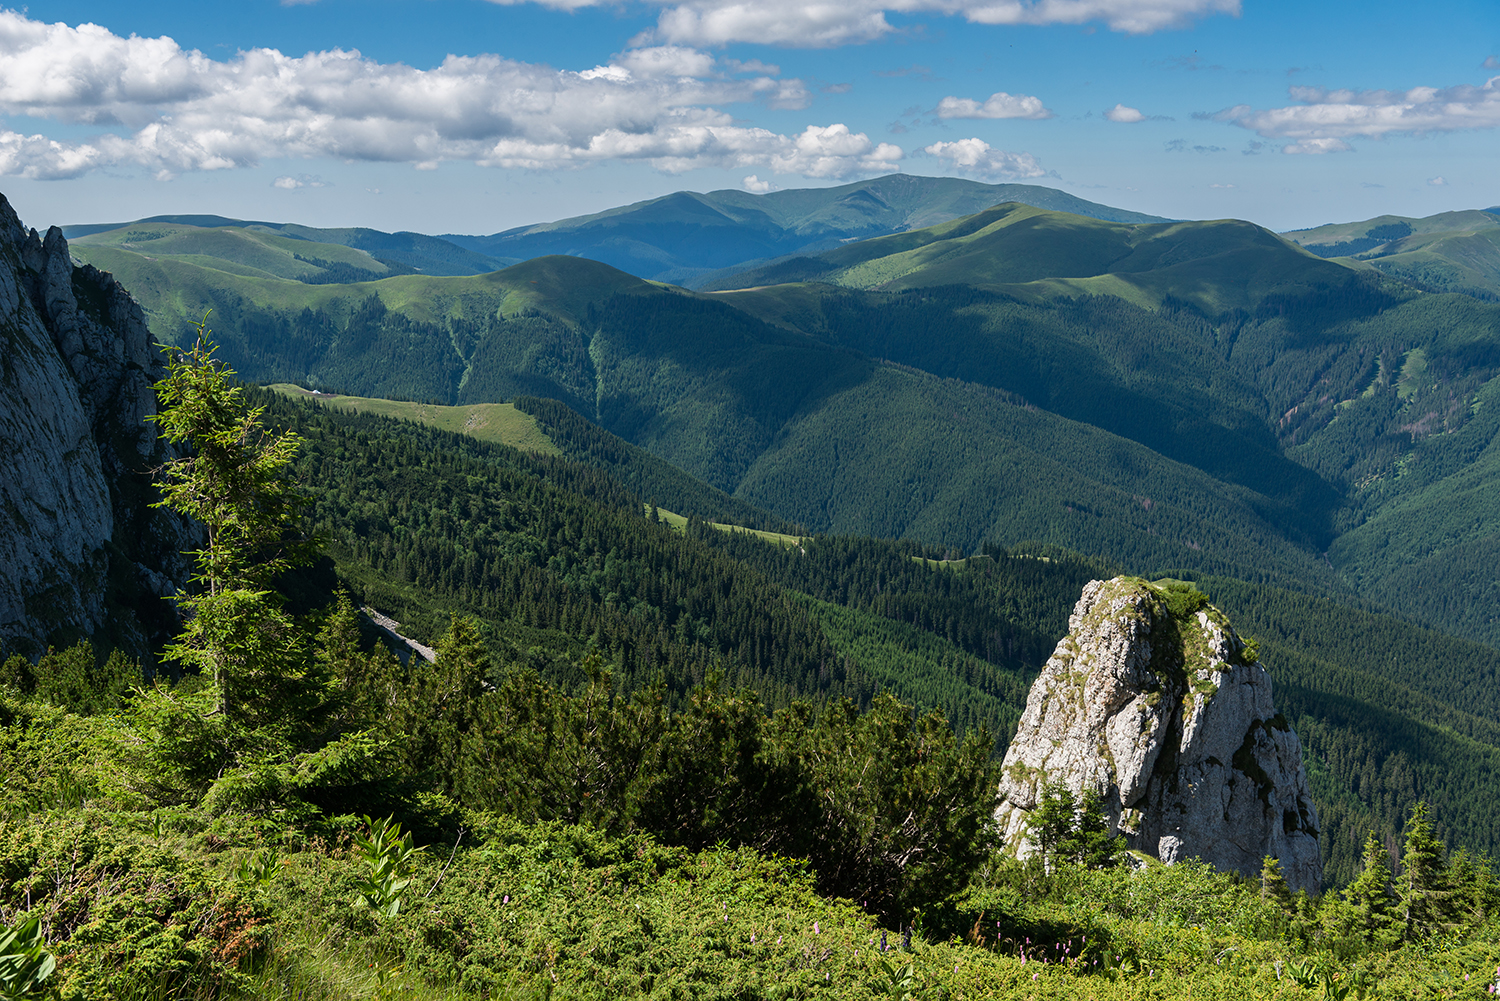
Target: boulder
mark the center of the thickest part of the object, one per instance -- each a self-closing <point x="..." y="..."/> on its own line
<point x="1154" y="703"/>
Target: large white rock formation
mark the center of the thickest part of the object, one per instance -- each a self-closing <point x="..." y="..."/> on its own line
<point x="80" y="547"/>
<point x="1152" y="701"/>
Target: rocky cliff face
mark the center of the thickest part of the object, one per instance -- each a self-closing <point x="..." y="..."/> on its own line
<point x="80" y="549"/>
<point x="1152" y="701"/>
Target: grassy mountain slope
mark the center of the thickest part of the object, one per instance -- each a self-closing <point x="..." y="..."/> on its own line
<point x="684" y="236"/>
<point x="255" y="253"/>
<point x="228" y="240"/>
<point x="1448" y="252"/>
<point x="500" y="423"/>
<point x="1038" y="254"/>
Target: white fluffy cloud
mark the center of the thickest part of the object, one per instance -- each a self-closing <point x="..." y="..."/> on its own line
<point x="998" y="105"/>
<point x="1128" y="116"/>
<point x="1325" y="119"/>
<point x="817" y="23"/>
<point x="170" y="110"/>
<point x="975" y="156"/>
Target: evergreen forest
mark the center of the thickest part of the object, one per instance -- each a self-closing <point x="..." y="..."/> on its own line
<point x="658" y="757"/>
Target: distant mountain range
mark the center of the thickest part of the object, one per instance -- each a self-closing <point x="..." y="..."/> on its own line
<point x="1200" y="395"/>
<point x="733" y="239"/>
<point x="688" y="238"/>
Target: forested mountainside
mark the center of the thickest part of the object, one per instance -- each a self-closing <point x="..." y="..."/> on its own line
<point x="552" y="555"/>
<point x="1202" y="395"/>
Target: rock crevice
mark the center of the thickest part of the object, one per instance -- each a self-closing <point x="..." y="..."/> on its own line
<point x="1154" y="703"/>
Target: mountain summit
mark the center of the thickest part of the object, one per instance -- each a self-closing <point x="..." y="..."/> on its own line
<point x="686" y="237"/>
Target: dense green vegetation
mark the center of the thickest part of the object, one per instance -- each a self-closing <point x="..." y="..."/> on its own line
<point x="654" y="762"/>
<point x="547" y="554"/>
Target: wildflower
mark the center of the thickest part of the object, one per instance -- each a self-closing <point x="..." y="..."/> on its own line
<point x="816" y="930"/>
<point x="1033" y="976"/>
<point x="778" y="939"/>
<point x="507" y="900"/>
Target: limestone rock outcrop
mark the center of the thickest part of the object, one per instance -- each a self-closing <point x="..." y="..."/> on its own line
<point x="1154" y="702"/>
<point x="80" y="547"/>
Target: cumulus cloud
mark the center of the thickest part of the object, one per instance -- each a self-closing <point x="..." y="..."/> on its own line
<point x="1490" y="63"/>
<point x="1323" y="119"/>
<point x="170" y="110"/>
<point x="1120" y="113"/>
<point x="997" y="105"/>
<point x="1438" y="182"/>
<point x="975" y="156"/>
<point x="289" y="183"/>
<point x="756" y="186"/>
<point x="803" y="24"/>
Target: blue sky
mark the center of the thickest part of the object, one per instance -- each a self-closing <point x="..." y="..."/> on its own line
<point x="473" y="116"/>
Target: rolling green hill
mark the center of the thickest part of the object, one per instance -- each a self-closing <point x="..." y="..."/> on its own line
<point x="254" y="252"/>
<point x="688" y="238"/>
<point x="1448" y="252"/>
<point x="1037" y="254"/>
<point x="285" y="250"/>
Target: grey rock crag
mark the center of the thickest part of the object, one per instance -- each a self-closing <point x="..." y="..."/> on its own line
<point x="1154" y="702"/>
<point x="80" y="547"/>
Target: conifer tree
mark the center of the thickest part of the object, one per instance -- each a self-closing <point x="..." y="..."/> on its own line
<point x="1371" y="895"/>
<point x="1426" y="893"/>
<point x="442" y="701"/>
<point x="234" y="482"/>
<point x="1050" y="824"/>
<point x="1090" y="844"/>
<point x="1273" y="887"/>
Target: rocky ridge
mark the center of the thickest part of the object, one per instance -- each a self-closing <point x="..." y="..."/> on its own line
<point x="1154" y="702"/>
<point x="81" y="547"/>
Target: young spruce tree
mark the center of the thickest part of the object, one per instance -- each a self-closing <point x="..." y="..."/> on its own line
<point x="233" y="481"/>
